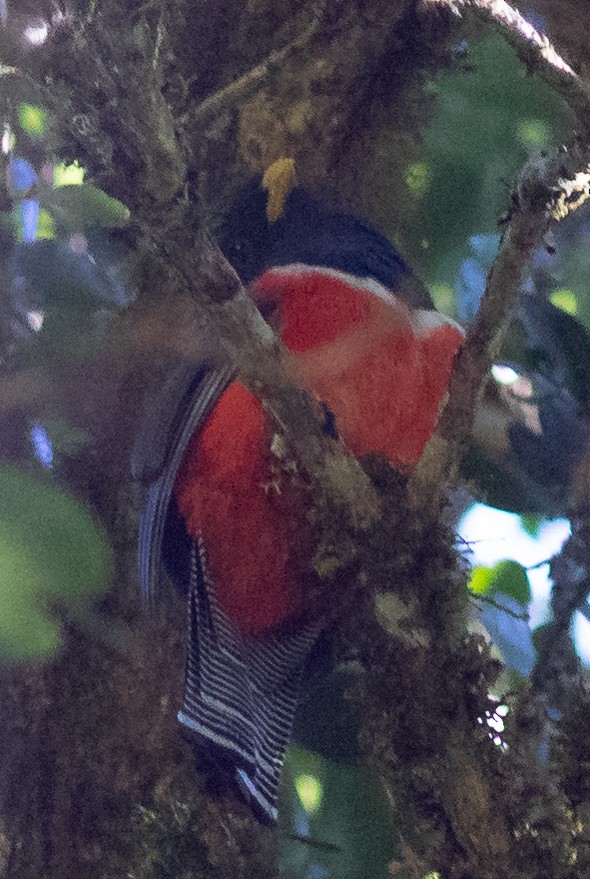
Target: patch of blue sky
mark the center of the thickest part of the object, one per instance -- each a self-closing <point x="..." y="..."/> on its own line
<point x="29" y="218"/>
<point x="42" y="445"/>
<point x="469" y="289"/>
<point x="21" y="174"/>
<point x="492" y="535"/>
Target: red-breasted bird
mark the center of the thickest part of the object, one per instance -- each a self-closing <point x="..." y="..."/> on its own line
<point x="362" y="338"/>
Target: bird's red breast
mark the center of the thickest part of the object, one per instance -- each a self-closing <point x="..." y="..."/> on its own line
<point x="383" y="370"/>
<point x="245" y="512"/>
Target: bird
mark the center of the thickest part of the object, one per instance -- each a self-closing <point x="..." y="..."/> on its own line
<point x="532" y="427"/>
<point x="361" y="336"/>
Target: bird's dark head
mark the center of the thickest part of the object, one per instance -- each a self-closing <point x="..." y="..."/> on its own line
<point x="255" y="237"/>
<point x="246" y="234"/>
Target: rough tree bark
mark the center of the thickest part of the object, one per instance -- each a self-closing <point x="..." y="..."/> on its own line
<point x="177" y="103"/>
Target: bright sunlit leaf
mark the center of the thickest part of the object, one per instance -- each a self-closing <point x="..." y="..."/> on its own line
<point x="33" y="119"/>
<point x="533" y="133"/>
<point x="310" y="792"/>
<point x="68" y="175"/>
<point x="417" y="178"/>
<point x="45" y="226"/>
<point x="566" y="300"/>
<point x="480" y="580"/>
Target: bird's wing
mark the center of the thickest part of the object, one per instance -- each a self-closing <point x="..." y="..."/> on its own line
<point x="194" y="404"/>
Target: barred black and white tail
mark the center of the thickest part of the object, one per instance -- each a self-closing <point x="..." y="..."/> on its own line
<point x="240" y="692"/>
<point x="193" y="406"/>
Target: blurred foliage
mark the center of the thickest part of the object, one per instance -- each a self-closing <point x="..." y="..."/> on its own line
<point x="334" y="820"/>
<point x="326" y="720"/>
<point x="77" y="207"/>
<point x="61" y="278"/>
<point x="32" y="119"/>
<point x="506" y="594"/>
<point x="52" y="554"/>
<point x="490" y="115"/>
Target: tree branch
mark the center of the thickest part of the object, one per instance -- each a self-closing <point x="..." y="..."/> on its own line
<point x="534" y="47"/>
<point x="246" y="85"/>
<point x="249" y="344"/>
<point x="546" y="189"/>
<point x="528" y="223"/>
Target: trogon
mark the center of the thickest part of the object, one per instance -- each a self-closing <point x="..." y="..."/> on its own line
<point x="361" y="336"/>
<point x="532" y="427"/>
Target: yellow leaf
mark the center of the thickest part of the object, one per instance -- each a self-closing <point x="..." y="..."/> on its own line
<point x="68" y="175"/>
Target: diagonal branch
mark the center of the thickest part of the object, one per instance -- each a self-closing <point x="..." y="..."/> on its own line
<point x="249" y="345"/>
<point x="536" y="196"/>
<point x="246" y="85"/>
<point x="534" y="48"/>
<point x="546" y="190"/>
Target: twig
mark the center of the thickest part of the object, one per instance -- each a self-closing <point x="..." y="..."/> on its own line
<point x="535" y="46"/>
<point x="497" y="605"/>
<point x="546" y="189"/>
<point x="533" y="194"/>
<point x="242" y="88"/>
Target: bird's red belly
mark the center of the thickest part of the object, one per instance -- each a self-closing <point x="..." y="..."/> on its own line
<point x="228" y="494"/>
<point x="384" y="384"/>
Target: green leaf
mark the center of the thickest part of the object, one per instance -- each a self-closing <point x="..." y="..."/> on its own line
<point x="310" y="791"/>
<point x="566" y="300"/>
<point x="532" y="524"/>
<point x="32" y="119"/>
<point x="480" y="580"/>
<point x="507" y="577"/>
<point x="510" y="578"/>
<point x="77" y="207"/>
<point x="68" y="175"/>
<point x="348" y="826"/>
<point x="51" y="551"/>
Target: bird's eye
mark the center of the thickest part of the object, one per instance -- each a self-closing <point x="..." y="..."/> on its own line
<point x="266" y="307"/>
<point x="270" y="311"/>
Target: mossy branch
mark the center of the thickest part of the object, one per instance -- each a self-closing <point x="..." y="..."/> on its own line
<point x="534" y="47"/>
<point x="546" y="190"/>
<point x="529" y="220"/>
<point x="337" y="479"/>
<point x="243" y="87"/>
